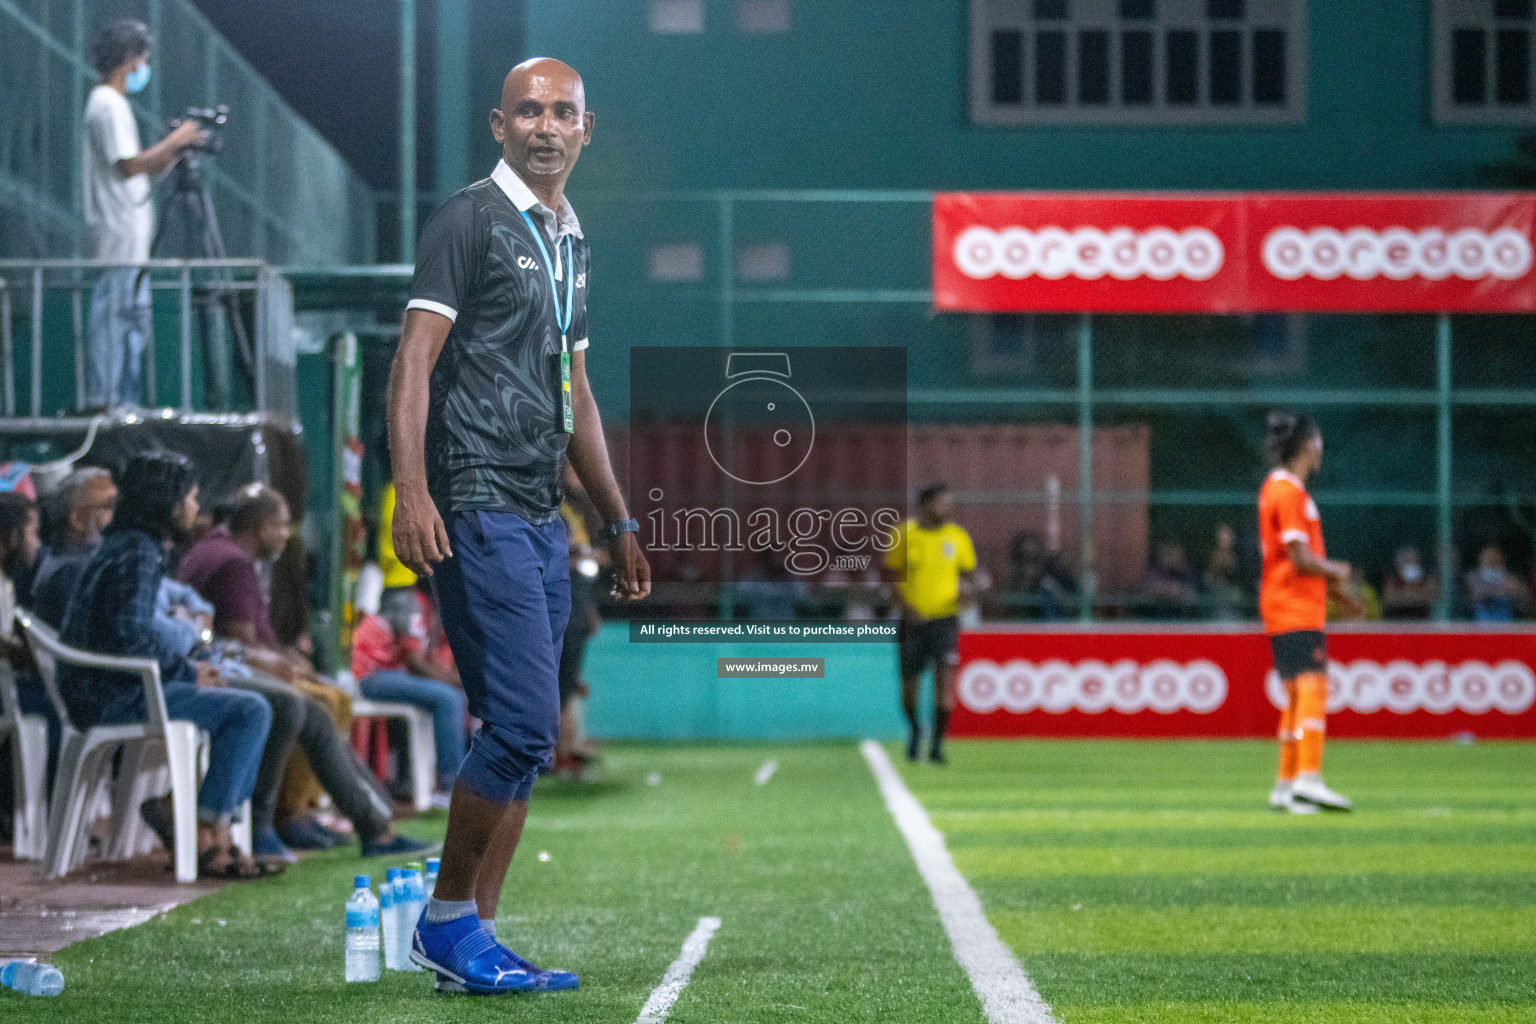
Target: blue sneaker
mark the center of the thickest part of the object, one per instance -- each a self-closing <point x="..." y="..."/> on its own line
<point x="544" y="980"/>
<point x="466" y="958"/>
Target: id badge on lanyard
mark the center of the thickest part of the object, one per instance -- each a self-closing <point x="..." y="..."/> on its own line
<point x="562" y="317"/>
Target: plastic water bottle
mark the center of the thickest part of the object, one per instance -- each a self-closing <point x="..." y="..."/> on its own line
<point x="410" y="909"/>
<point x="431" y="879"/>
<point x="362" y="932"/>
<point x="32" y="979"/>
<point x="389" y="915"/>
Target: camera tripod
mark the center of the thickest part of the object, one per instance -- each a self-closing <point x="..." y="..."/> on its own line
<point x="190" y="207"/>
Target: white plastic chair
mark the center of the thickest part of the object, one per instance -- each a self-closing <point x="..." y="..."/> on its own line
<point x="85" y="764"/>
<point x="29" y="757"/>
<point x="142" y="775"/>
<point x="420" y="739"/>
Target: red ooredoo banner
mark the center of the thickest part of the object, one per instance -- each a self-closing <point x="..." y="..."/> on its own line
<point x="1233" y="253"/>
<point x="1067" y="682"/>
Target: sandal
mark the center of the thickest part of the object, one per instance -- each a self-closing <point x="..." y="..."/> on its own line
<point x="238" y="866"/>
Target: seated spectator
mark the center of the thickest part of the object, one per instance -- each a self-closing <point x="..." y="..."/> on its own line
<point x="1226" y="599"/>
<point x="222" y="568"/>
<point x="1038" y="577"/>
<point x="110" y="611"/>
<point x="389" y="660"/>
<point x="1494" y="592"/>
<point x="1366" y="606"/>
<point x="84" y="506"/>
<point x="22" y="545"/>
<point x="19" y="544"/>
<point x="1409" y="592"/>
<point x="1169" y="587"/>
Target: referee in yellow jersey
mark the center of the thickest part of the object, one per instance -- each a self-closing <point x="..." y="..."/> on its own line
<point x="931" y="563"/>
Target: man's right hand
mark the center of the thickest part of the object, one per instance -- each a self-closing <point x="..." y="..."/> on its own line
<point x="421" y="539"/>
<point x="185" y="134"/>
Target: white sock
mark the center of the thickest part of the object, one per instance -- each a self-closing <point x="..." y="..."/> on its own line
<point x="439" y="911"/>
<point x="489" y="924"/>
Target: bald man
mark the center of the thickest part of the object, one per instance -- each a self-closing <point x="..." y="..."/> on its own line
<point x="488" y="395"/>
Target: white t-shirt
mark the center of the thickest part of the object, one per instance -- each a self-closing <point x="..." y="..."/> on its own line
<point x="119" y="219"/>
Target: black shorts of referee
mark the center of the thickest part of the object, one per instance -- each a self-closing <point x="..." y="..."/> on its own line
<point x="932" y="642"/>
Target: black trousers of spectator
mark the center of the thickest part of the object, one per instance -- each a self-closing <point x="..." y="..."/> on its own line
<point x="298" y="720"/>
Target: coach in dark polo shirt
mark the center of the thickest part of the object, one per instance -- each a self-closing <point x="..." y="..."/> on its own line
<point x="488" y="396"/>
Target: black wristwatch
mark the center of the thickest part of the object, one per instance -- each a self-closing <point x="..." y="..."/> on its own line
<point x="612" y="530"/>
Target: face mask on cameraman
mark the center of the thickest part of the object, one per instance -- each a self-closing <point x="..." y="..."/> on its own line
<point x="138" y="78"/>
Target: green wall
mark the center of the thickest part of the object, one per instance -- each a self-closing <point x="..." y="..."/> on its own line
<point x="873" y="96"/>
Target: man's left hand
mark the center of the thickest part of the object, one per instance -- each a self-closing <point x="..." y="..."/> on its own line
<point x="631" y="572"/>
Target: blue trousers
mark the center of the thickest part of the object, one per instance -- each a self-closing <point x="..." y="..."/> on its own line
<point x="119" y="330"/>
<point x="444" y="702"/>
<point x="504" y="597"/>
<point x="237" y="723"/>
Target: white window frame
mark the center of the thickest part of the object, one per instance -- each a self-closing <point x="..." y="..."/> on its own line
<point x="989" y="15"/>
<point x="1451" y="15"/>
<point x="675" y="17"/>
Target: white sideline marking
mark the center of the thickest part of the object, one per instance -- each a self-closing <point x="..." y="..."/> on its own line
<point x="676" y="979"/>
<point x="1006" y="995"/>
<point x="765" y="772"/>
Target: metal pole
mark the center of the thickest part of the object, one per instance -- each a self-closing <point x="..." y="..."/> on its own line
<point x="78" y="318"/>
<point x="1443" y="524"/>
<point x="1086" y="577"/>
<point x="186" y="339"/>
<point x="76" y="119"/>
<point x="407" y="131"/>
<point x="258" y="343"/>
<point x="453" y="119"/>
<point x="727" y="242"/>
<point x="7" y="349"/>
<point x="37" y="342"/>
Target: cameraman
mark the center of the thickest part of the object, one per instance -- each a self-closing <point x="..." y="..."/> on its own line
<point x="118" y="218"/>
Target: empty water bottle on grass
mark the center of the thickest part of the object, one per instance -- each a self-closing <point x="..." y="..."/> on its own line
<point x="32" y="979"/>
<point x="390" y="917"/>
<point x="362" y="932"/>
<point x="431" y="879"/>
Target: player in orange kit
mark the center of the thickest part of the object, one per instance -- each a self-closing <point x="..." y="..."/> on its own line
<point x="1293" y="601"/>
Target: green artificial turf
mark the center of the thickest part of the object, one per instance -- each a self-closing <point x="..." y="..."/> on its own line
<point x="824" y="916"/>
<point x="1137" y="882"/>
<point x="1142" y="882"/>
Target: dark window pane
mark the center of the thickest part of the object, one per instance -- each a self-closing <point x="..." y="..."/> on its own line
<point x="1136" y="67"/>
<point x="1226" y="68"/>
<point x="1511" y="8"/>
<point x="1269" y="66"/>
<point x="1053" y="9"/>
<point x="1512" y="68"/>
<point x="1008" y="67"/>
<point x="1469" y="60"/>
<point x="1050" y="68"/>
<point x="1183" y="67"/>
<point x="1138" y="9"/>
<point x="1224" y="8"/>
<point x="1093" y="67"/>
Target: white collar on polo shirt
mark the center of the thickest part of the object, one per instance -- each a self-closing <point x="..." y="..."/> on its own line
<point x="515" y="189"/>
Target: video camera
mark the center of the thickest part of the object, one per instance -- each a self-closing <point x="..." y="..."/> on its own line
<point x="212" y="121"/>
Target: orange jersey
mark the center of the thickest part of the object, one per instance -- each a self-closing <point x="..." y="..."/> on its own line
<point x="1289" y="601"/>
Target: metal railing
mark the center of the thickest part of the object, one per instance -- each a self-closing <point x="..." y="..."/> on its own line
<point x="214" y="305"/>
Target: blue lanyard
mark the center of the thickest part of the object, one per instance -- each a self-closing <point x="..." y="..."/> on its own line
<point x="563" y="321"/>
